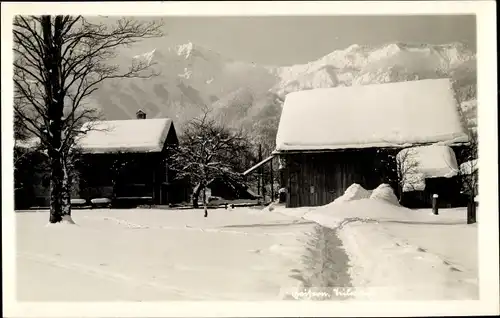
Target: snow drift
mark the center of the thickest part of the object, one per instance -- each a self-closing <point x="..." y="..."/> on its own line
<point x="386" y="193"/>
<point x="353" y="192"/>
<point x="357" y="192"/>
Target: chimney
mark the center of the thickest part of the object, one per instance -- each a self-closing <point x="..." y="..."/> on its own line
<point x="140" y="114"/>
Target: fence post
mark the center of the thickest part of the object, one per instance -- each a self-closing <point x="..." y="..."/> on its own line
<point x="435" y="204"/>
<point x="272" y="180"/>
<point x="471" y="211"/>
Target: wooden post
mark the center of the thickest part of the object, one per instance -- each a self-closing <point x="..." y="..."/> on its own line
<point x="153" y="186"/>
<point x="435" y="204"/>
<point x="471" y="211"/>
<point x="258" y="182"/>
<point x="261" y="176"/>
<point x="272" y="181"/>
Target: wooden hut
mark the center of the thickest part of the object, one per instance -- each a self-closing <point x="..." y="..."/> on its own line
<point x="330" y="138"/>
<point x="124" y="160"/>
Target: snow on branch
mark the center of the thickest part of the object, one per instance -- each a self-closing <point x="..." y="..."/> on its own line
<point x="59" y="61"/>
<point x="208" y="150"/>
<point x="56" y="73"/>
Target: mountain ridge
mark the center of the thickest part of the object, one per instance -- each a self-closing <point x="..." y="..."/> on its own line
<point x="192" y="76"/>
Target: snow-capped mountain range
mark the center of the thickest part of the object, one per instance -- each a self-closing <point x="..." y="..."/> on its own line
<point x="250" y="95"/>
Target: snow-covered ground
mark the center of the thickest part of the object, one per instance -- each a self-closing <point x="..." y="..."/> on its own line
<point x="383" y="251"/>
<point x="158" y="255"/>
<point x="401" y="254"/>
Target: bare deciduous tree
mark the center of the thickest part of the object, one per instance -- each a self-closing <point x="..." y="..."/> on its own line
<point x="407" y="171"/>
<point x="208" y="150"/>
<point x="399" y="168"/>
<point x="468" y="172"/>
<point x="59" y="61"/>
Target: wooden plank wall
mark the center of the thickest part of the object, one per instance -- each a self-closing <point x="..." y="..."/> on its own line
<point x="136" y="180"/>
<point x="319" y="178"/>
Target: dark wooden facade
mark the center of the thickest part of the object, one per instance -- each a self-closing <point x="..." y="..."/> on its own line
<point x="318" y="178"/>
<point x="132" y="177"/>
<point x="31" y="180"/>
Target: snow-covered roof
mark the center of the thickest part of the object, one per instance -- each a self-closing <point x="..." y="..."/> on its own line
<point x="133" y="135"/>
<point x="469" y="167"/>
<point x="380" y="115"/>
<point x="420" y="163"/>
<point x="433" y="161"/>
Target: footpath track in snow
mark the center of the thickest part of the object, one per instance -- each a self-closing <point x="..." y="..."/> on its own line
<point x="388" y="263"/>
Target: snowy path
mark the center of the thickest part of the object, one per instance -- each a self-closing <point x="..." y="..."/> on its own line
<point x="400" y="254"/>
<point x="144" y="255"/>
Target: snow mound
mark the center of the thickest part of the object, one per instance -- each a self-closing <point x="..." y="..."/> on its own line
<point x="386" y="193"/>
<point x="268" y="208"/>
<point x="354" y="192"/>
<point x="336" y="216"/>
<point x="66" y="220"/>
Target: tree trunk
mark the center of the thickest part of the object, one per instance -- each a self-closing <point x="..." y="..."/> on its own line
<point x="205" y="202"/>
<point x="471" y="209"/>
<point x="66" y="195"/>
<point x="400" y="192"/>
<point x="272" y="180"/>
<point x="55" y="104"/>
<point x="56" y="189"/>
<point x="195" y="195"/>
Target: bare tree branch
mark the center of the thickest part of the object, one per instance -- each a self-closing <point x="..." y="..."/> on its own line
<point x="59" y="62"/>
<point x="208" y="151"/>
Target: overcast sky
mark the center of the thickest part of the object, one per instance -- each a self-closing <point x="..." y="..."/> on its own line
<point x="291" y="40"/>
